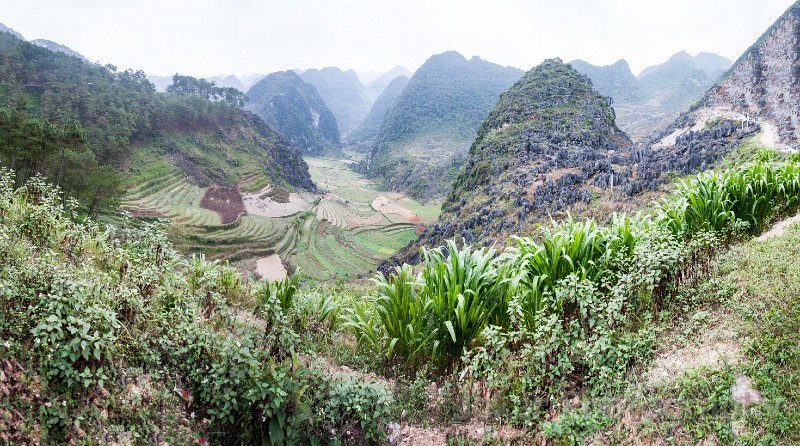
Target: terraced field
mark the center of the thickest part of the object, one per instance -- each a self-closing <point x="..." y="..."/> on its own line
<point x="343" y="231"/>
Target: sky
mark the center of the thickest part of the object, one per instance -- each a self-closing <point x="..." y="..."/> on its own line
<point x="209" y="37"/>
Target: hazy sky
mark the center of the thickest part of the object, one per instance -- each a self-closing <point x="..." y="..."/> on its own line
<point x="208" y="37"/>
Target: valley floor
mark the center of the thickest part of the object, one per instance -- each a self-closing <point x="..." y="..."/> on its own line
<point x="343" y="231"/>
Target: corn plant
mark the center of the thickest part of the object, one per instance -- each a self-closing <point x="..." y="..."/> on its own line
<point x="405" y="316"/>
<point x="466" y="294"/>
<point x="571" y="247"/>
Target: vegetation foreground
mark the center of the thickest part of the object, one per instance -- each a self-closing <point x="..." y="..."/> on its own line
<point x="110" y="336"/>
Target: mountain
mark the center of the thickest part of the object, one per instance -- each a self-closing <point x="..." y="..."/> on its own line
<point x="678" y="68"/>
<point x="5" y="29"/>
<point x="550" y="142"/>
<point x="229" y="81"/>
<point x="197" y="129"/>
<point x="344" y="95"/>
<point x="376" y="87"/>
<point x="763" y="84"/>
<point x="250" y="80"/>
<point x="55" y="47"/>
<point x="426" y="134"/>
<point x="614" y="80"/>
<point x="296" y="111"/>
<point x="659" y="94"/>
<point x="367" y="133"/>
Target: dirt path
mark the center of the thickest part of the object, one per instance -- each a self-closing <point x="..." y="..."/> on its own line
<point x="271" y="268"/>
<point x="769" y="135"/>
<point x="779" y="228"/>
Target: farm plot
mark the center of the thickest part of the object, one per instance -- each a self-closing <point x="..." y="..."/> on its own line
<point x="344" y="231"/>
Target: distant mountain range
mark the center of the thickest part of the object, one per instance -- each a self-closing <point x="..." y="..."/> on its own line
<point x="425" y="135"/>
<point x="376" y="87"/>
<point x="296" y="111"/>
<point x="656" y="97"/>
<point x="343" y="93"/>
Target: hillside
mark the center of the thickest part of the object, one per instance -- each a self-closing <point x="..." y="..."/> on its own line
<point x="5" y="29"/>
<point x="764" y="83"/>
<point x="296" y="111"/>
<point x="659" y="94"/>
<point x="365" y="136"/>
<point x="424" y="138"/>
<point x="343" y="94"/>
<point x="549" y="143"/>
<point x="198" y="129"/>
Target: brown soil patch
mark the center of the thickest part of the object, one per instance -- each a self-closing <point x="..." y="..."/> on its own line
<point x="355" y="222"/>
<point x="13" y="428"/>
<point x="385" y="205"/>
<point x="419" y="229"/>
<point x="226" y="201"/>
<point x="141" y="213"/>
<point x="271" y="268"/>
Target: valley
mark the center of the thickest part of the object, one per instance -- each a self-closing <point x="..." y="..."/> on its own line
<point x="463" y="254"/>
<point x="342" y="231"/>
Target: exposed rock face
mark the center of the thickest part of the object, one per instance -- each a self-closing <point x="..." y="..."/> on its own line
<point x="765" y="81"/>
<point x="550" y="140"/>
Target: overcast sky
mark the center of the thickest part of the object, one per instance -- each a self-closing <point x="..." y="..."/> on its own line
<point x="209" y="37"/>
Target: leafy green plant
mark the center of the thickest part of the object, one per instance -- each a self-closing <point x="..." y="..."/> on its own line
<point x="466" y="295"/>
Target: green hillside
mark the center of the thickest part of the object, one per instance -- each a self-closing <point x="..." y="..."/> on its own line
<point x="367" y="133"/>
<point x="425" y="135"/>
<point x="198" y="128"/>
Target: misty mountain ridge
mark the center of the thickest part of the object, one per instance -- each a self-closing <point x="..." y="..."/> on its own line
<point x="365" y="136"/>
<point x="654" y="99"/>
<point x="343" y="93"/>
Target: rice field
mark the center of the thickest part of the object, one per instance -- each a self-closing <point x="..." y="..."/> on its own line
<point x="336" y="233"/>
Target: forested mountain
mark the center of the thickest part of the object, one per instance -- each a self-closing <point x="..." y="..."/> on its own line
<point x="550" y="140"/>
<point x="655" y="98"/>
<point x="364" y="137"/>
<point x="296" y="111"/>
<point x="197" y="127"/>
<point x="425" y="135"/>
<point x="343" y="94"/>
<point x="376" y="87"/>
